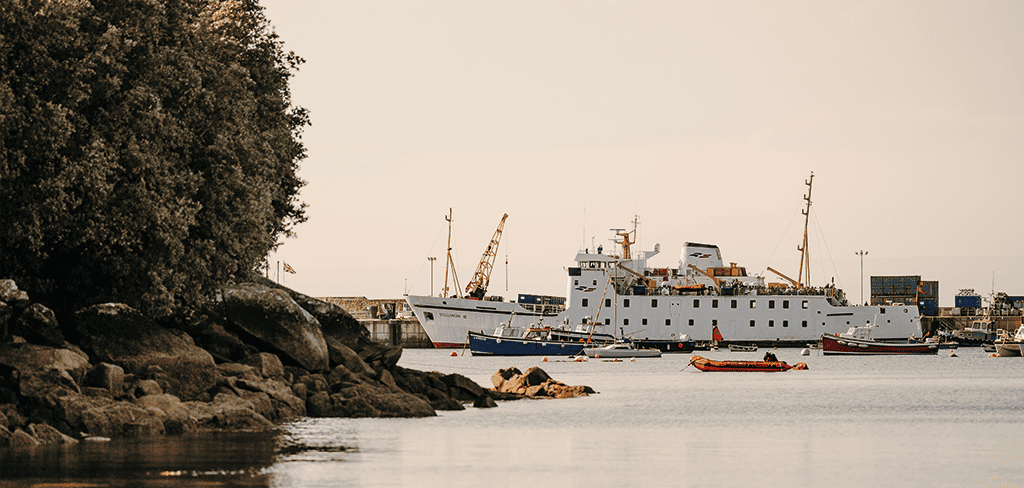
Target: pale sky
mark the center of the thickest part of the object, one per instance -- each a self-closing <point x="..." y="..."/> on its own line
<point x="702" y="118"/>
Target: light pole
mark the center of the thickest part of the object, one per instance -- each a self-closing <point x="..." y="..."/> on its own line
<point x="861" y="254"/>
<point x="431" y="259"/>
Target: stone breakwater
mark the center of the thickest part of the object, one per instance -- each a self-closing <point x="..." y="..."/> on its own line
<point x="255" y="354"/>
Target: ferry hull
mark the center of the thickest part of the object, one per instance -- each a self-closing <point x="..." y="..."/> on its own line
<point x="447" y="321"/>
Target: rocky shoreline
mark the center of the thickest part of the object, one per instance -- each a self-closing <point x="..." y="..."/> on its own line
<point x="256" y="354"/>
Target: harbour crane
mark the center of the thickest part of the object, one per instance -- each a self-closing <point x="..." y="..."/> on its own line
<point x="477" y="286"/>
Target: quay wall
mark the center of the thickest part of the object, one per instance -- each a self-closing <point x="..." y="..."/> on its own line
<point x="388" y="320"/>
<point x="946" y="320"/>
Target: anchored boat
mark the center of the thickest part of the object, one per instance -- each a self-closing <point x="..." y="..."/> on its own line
<point x="705" y="364"/>
<point x="533" y="341"/>
<point x="857" y="340"/>
<point x="620" y="350"/>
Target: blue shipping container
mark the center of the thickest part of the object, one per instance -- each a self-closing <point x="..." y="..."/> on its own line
<point x="929" y="307"/>
<point x="968" y="301"/>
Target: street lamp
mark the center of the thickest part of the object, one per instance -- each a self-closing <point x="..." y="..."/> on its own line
<point x="431" y="259"/>
<point x="861" y="254"/>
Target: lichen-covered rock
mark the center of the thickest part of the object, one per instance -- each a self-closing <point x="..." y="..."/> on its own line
<point x="118" y="334"/>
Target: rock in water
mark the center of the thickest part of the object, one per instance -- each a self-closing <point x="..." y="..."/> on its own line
<point x="535" y="383"/>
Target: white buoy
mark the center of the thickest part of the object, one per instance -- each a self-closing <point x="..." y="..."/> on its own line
<point x="805" y="352"/>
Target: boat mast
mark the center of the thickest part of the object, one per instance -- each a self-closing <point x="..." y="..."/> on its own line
<point x="450" y="264"/>
<point x="805" y="254"/>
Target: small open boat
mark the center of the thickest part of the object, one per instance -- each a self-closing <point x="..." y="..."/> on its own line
<point x="620" y="350"/>
<point x="742" y="348"/>
<point x="705" y="364"/>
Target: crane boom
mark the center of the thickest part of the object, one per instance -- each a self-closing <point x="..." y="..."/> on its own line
<point x="477" y="286"/>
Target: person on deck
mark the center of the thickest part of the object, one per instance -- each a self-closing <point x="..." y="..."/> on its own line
<point x="770" y="356"/>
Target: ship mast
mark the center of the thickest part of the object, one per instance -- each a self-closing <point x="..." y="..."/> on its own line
<point x="450" y="264"/>
<point x="805" y="254"/>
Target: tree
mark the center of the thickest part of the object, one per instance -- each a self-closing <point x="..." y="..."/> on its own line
<point x="148" y="149"/>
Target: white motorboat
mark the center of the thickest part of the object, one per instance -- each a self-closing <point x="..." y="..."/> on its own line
<point x="620" y="350"/>
<point x="1010" y="346"/>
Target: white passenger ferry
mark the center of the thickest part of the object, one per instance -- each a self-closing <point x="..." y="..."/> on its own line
<point x="619" y="294"/>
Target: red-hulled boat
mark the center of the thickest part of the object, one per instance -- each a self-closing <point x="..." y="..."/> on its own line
<point x="858" y="340"/>
<point x="705" y="364"/>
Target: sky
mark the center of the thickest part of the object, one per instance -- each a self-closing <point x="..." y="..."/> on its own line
<point x="701" y="120"/>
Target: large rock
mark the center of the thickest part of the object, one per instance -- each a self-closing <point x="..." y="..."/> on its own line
<point x="271" y="316"/>
<point x="5" y="313"/>
<point x="45" y="373"/>
<point x="227" y="412"/>
<point x="109" y="377"/>
<point x="38" y="325"/>
<point x="535" y="383"/>
<point x="175" y="416"/>
<point x="118" y="334"/>
<point x="14" y="297"/>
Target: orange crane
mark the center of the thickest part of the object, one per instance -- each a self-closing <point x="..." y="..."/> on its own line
<point x="477" y="286"/>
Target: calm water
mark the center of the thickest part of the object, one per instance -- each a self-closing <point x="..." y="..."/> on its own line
<point x="858" y="421"/>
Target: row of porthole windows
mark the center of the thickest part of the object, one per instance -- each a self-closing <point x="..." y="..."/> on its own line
<point x="696" y="303"/>
<point x="753" y="323"/>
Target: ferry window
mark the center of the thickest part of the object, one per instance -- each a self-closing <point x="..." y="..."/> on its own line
<point x="881" y="309"/>
<point x="785" y="304"/>
<point x="643" y="321"/>
<point x="625" y="321"/>
<point x="691" y="322"/>
<point x="714" y="303"/>
<point x="753" y="304"/>
<point x="625" y="303"/>
<point x="804" y="324"/>
<point x="586" y="302"/>
<point x="771" y="323"/>
<point x="654" y="303"/>
<point x="595" y="282"/>
<point x="607" y="321"/>
<point x="668" y="321"/>
<point x="804" y="305"/>
<point x="696" y="303"/>
<point x="607" y="302"/>
<point x="751" y="323"/>
<point x="734" y="304"/>
<point x="714" y="321"/>
<point x="785" y="323"/>
<point x="428" y="315"/>
<point x="576" y="282"/>
<point x="771" y="303"/>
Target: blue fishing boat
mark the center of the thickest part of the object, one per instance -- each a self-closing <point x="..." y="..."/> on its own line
<point x="535" y="341"/>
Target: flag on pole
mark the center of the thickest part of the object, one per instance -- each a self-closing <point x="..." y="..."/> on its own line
<point x="288" y="268"/>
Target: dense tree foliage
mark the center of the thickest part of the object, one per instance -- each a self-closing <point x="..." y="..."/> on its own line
<point x="148" y="148"/>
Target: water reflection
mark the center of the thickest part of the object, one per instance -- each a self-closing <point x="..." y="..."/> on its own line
<point x="219" y="459"/>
